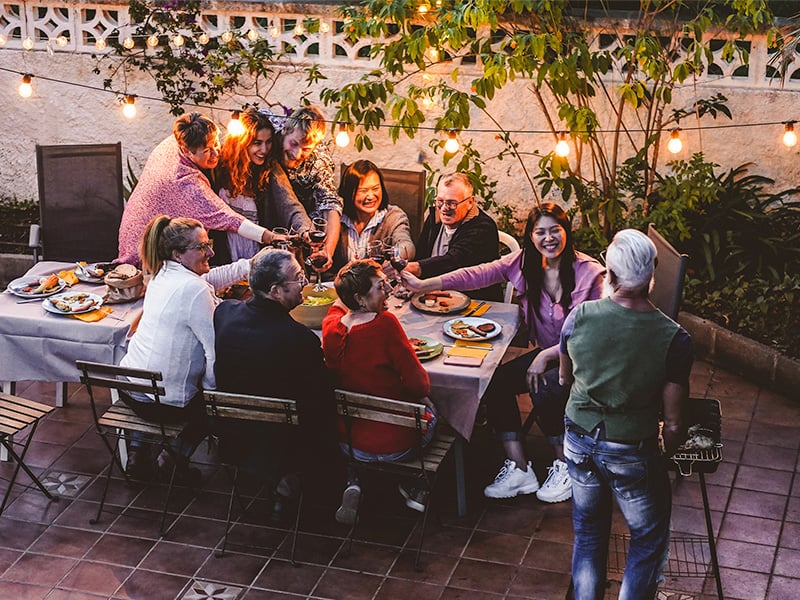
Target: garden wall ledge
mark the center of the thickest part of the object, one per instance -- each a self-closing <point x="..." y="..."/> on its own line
<point x="712" y="342"/>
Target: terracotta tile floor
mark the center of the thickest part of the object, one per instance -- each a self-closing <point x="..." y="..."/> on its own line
<point x="508" y="549"/>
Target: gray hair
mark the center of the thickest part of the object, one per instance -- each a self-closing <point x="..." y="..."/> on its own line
<point x="462" y="178"/>
<point x="268" y="268"/>
<point x="631" y="255"/>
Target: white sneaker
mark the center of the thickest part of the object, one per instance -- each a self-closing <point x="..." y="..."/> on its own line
<point x="512" y="481"/>
<point x="558" y="486"/>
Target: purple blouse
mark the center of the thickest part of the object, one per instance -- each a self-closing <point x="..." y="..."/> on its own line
<point x="545" y="328"/>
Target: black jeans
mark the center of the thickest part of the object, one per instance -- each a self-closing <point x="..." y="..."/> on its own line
<point x="510" y="379"/>
<point x="194" y="413"/>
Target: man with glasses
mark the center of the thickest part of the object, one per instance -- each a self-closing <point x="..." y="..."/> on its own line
<point x="260" y="349"/>
<point x="457" y="233"/>
<point x="174" y="182"/>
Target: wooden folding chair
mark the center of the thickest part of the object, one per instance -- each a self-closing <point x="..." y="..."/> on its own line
<point x="428" y="459"/>
<point x="261" y="409"/>
<point x="114" y="423"/>
<point x="15" y="415"/>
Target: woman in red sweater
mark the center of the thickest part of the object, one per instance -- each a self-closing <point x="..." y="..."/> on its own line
<point x="368" y="352"/>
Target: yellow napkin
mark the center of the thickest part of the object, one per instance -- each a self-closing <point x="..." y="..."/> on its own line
<point x="471" y="352"/>
<point x="68" y="276"/>
<point x="94" y="315"/>
<point x="472" y="305"/>
<point x="473" y="344"/>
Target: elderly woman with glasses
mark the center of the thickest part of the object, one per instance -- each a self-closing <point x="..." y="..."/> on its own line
<point x="368" y="351"/>
<point x="550" y="279"/>
<point x="176" y="334"/>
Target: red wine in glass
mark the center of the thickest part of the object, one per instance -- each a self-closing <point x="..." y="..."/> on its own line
<point x="398" y="263"/>
<point x="319" y="261"/>
<point x="316" y="236"/>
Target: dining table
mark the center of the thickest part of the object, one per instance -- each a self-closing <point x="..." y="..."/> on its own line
<point x="37" y="345"/>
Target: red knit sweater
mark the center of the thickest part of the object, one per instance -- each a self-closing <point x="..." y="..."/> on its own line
<point x="375" y="358"/>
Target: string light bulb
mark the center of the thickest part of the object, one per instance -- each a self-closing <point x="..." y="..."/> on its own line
<point x="451" y="146"/>
<point x="227" y="36"/>
<point x="152" y="41"/>
<point x="275" y="32"/>
<point x="178" y="41"/>
<point x="253" y="35"/>
<point x="203" y="39"/>
<point x="562" y="147"/>
<point x="423" y="7"/>
<point x="235" y="126"/>
<point x="675" y="144"/>
<point x="25" y="88"/>
<point x="62" y="41"/>
<point x="433" y="54"/>
<point x="27" y="43"/>
<point x="100" y="44"/>
<point x="342" y="138"/>
<point x="128" y="43"/>
<point x="324" y="27"/>
<point x="129" y="106"/>
<point x="299" y="29"/>
<point x="3" y="39"/>
<point x="789" y="136"/>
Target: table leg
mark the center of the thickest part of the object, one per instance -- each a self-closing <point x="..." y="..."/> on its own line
<point x="61" y="394"/>
<point x="461" y="488"/>
<point x="7" y="387"/>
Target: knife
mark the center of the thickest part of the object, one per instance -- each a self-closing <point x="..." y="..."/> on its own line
<point x="474" y="310"/>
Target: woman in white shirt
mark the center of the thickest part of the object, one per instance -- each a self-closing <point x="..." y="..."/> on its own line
<point x="176" y="334"/>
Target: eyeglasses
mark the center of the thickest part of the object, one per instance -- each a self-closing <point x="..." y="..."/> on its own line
<point x="364" y="191"/>
<point x="450" y="204"/>
<point x="302" y="280"/>
<point x="202" y="246"/>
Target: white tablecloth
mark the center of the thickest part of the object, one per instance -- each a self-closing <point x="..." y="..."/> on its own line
<point x="36" y="345"/>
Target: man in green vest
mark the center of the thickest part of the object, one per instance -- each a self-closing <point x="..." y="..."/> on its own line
<point x="629" y="366"/>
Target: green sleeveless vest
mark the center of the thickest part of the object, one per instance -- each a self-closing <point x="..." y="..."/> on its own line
<point x="619" y="362"/>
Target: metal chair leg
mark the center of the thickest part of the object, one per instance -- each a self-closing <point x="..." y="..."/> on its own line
<point x="113" y="449"/>
<point x="220" y="553"/>
<point x="296" y="528"/>
<point x="712" y="545"/>
<point x="20" y="464"/>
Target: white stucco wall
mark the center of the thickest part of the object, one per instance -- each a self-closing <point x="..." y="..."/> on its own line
<point x="66" y="114"/>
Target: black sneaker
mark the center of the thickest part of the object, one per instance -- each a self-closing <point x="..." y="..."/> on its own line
<point x="416" y="496"/>
<point x="184" y="474"/>
<point x="140" y="463"/>
<point x="289" y="486"/>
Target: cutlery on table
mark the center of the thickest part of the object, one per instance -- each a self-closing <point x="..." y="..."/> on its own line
<point x="472" y="311"/>
<point x="27" y="300"/>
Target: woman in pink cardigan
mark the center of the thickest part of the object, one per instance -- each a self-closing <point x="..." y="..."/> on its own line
<point x="550" y="278"/>
<point x="173" y="183"/>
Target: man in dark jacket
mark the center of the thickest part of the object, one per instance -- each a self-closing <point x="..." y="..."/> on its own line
<point x="262" y="350"/>
<point x="456" y="234"/>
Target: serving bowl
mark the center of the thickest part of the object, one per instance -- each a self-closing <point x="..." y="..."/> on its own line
<point x="311" y="315"/>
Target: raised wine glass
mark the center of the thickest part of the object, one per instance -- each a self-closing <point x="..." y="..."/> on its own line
<point x="283" y="242"/>
<point x="375" y="251"/>
<point x="318" y="257"/>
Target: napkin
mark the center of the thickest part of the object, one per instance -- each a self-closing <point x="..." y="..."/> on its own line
<point x="94" y="315"/>
<point x="473" y="344"/>
<point x="472" y="305"/>
<point x="68" y="276"/>
<point x="466" y="357"/>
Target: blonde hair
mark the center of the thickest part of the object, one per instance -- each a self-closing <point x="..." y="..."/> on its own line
<point x="309" y="120"/>
<point x="161" y="237"/>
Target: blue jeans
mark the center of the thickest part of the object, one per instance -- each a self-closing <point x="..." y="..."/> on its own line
<point x="636" y="476"/>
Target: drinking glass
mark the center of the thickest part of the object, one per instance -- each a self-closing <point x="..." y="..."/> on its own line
<point x="283" y="244"/>
<point x="318" y="257"/>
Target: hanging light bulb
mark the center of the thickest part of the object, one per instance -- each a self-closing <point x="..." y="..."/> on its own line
<point x="675" y="144"/>
<point x="427" y="101"/>
<point x="433" y="54"/>
<point x="27" y="43"/>
<point x="451" y="146"/>
<point x="178" y="41"/>
<point x="129" y="106"/>
<point x="299" y="29"/>
<point x="100" y="44"/>
<point x="562" y="147"/>
<point x="203" y="38"/>
<point x="253" y="35"/>
<point x="324" y="27"/>
<point x="25" y="88"/>
<point x="423" y="7"/>
<point x="342" y="138"/>
<point x="3" y="39"/>
<point x="227" y="36"/>
<point x="152" y="41"/>
<point x="62" y="41"/>
<point x="235" y="126"/>
<point x="128" y="43"/>
<point x="789" y="136"/>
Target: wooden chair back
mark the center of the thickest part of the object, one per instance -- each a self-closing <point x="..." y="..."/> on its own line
<point x="245" y="407"/>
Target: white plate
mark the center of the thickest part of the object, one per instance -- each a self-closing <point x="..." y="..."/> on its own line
<point x="83" y="275"/>
<point x="455" y="302"/>
<point x="72" y="298"/>
<point x="18" y="286"/>
<point x="470" y="335"/>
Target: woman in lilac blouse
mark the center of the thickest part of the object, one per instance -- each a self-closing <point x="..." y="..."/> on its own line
<point x="550" y="278"/>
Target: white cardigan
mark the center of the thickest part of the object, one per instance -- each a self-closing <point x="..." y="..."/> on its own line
<point x="176" y="333"/>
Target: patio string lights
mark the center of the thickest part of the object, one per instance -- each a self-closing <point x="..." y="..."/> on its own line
<point x="451" y="144"/>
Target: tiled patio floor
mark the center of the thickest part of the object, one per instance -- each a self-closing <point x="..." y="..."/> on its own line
<point x="510" y="549"/>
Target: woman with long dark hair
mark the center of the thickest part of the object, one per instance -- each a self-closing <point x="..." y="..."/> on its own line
<point x="550" y="278"/>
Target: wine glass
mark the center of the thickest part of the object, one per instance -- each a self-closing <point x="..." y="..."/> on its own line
<point x="395" y="256"/>
<point x="318" y="257"/>
<point x="282" y="243"/>
<point x="375" y="251"/>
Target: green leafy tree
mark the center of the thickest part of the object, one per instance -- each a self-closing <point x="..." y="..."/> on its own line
<point x="614" y="127"/>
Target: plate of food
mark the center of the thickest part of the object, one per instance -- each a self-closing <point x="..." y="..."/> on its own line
<point x="426" y="348"/>
<point x="472" y="328"/>
<point x="31" y="287"/>
<point x="91" y="272"/>
<point x="440" y="302"/>
<point x="72" y="303"/>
